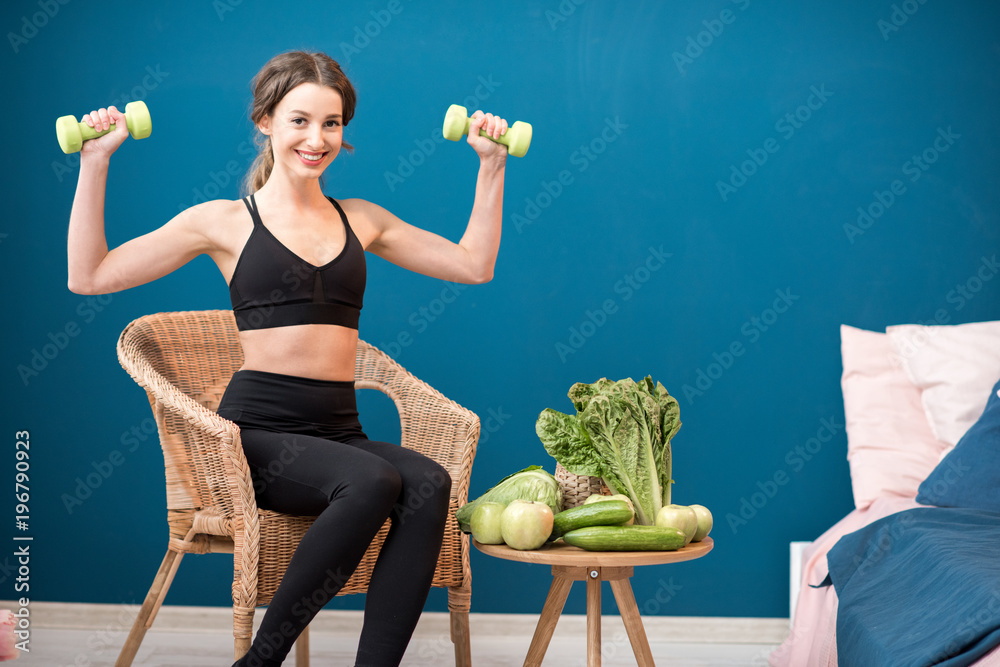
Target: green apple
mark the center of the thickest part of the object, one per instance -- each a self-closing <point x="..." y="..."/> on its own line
<point x="526" y="524"/>
<point x="681" y="517"/>
<point x="704" y="522"/>
<point x="598" y="497"/>
<point x="485" y="523"/>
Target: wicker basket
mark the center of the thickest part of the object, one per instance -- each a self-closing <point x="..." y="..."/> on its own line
<point x="576" y="488"/>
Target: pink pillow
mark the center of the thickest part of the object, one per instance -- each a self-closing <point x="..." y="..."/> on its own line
<point x="954" y="367"/>
<point x="890" y="445"/>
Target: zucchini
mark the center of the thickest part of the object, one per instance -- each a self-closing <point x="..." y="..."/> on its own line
<point x="626" y="538"/>
<point x="605" y="513"/>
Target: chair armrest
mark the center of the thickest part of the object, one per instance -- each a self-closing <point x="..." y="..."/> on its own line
<point x="431" y="423"/>
<point x="219" y="476"/>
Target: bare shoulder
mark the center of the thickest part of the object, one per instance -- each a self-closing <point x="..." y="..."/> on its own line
<point x="219" y="228"/>
<point x="221" y="221"/>
<point x="216" y="212"/>
<point x="360" y="208"/>
<point x="368" y="220"/>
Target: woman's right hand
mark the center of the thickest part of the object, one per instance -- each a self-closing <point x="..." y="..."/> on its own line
<point x="102" y="119"/>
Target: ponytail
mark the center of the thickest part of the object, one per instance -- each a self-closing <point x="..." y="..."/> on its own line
<point x="260" y="170"/>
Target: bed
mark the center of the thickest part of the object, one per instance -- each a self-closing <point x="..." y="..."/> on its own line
<point x="912" y="575"/>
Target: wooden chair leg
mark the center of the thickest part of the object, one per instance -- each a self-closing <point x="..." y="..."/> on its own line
<point x="462" y="639"/>
<point x="242" y="630"/>
<point x="302" y="649"/>
<point x="154" y="598"/>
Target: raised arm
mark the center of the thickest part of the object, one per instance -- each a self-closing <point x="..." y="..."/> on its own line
<point x="473" y="258"/>
<point x="92" y="268"/>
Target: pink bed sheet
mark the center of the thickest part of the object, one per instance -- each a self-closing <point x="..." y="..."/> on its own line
<point x="812" y="639"/>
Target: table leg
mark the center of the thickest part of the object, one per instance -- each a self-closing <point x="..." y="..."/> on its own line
<point x="594" y="620"/>
<point x="633" y="623"/>
<point x="554" y="604"/>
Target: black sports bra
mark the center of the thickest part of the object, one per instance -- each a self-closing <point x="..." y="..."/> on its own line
<point x="273" y="287"/>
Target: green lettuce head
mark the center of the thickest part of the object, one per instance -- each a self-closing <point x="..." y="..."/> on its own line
<point x="621" y="433"/>
<point x="532" y="483"/>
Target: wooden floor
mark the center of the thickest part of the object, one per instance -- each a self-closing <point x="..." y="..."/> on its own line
<point x="64" y="635"/>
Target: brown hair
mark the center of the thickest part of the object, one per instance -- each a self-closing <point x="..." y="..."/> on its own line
<point x="281" y="74"/>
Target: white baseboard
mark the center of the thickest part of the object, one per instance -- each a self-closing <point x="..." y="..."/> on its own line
<point x="680" y="629"/>
<point x="795" y="574"/>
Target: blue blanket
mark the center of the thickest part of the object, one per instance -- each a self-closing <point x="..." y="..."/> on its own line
<point x="919" y="587"/>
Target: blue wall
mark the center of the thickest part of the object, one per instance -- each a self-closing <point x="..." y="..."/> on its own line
<point x="689" y="210"/>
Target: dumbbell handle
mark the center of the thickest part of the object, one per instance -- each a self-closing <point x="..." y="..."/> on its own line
<point x="517" y="138"/>
<point x="72" y="134"/>
<point x="504" y="138"/>
<point x="88" y="133"/>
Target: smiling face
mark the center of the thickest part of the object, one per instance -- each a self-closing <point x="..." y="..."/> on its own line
<point x="306" y="130"/>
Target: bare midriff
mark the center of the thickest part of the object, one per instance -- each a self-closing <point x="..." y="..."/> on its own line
<point x="318" y="351"/>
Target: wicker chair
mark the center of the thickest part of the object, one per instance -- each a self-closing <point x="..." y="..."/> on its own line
<point x="184" y="361"/>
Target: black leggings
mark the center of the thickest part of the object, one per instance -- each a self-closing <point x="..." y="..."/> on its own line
<point x="309" y="456"/>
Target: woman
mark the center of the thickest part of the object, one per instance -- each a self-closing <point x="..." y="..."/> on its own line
<point x="294" y="262"/>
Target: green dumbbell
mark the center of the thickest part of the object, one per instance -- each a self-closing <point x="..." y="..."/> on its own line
<point x="517" y="138"/>
<point x="72" y="134"/>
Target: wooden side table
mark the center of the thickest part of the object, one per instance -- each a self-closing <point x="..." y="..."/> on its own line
<point x="571" y="564"/>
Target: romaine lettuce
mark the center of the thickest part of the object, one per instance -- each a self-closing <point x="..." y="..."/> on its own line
<point x="621" y="433"/>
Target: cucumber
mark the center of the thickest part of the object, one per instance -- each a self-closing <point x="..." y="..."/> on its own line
<point x="625" y="538"/>
<point x="605" y="513"/>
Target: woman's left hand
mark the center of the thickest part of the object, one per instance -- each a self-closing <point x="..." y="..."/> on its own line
<point x="495" y="126"/>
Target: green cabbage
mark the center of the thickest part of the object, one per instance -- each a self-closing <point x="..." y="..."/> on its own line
<point x="532" y="483"/>
<point x="621" y="433"/>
